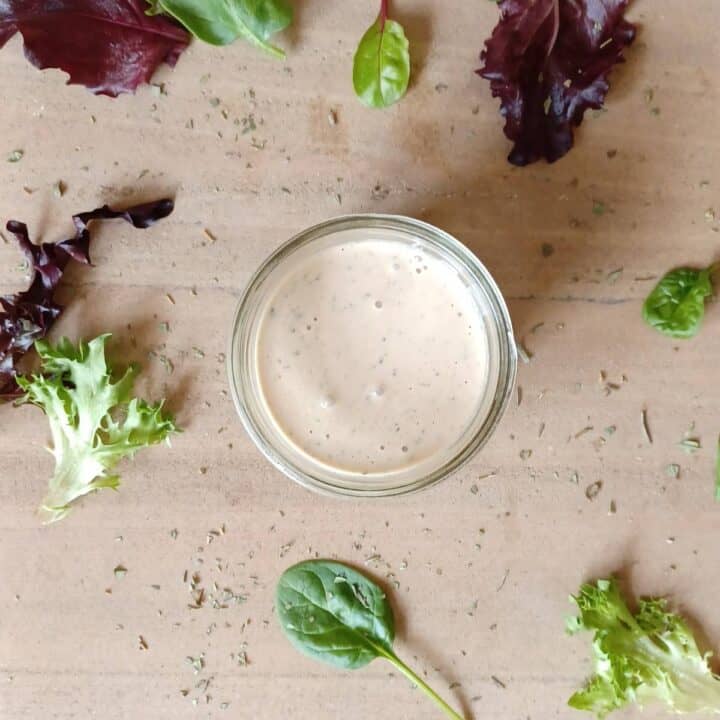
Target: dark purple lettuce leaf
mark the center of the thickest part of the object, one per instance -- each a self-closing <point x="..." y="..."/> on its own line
<point x="109" y="46"/>
<point x="548" y="61"/>
<point x="28" y="316"/>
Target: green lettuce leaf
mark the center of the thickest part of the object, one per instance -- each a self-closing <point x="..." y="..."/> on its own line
<point x="94" y="421"/>
<point x="381" y="66"/>
<point x="650" y="656"/>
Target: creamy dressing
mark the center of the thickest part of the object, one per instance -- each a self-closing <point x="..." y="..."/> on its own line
<point x="372" y="355"/>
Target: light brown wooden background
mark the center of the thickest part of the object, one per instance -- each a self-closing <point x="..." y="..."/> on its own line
<point x="69" y="648"/>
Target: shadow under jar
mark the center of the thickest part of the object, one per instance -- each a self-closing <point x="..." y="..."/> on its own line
<point x="371" y="355"/>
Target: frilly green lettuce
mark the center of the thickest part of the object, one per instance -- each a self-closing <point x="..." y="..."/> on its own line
<point x="94" y="421"/>
<point x="647" y="657"/>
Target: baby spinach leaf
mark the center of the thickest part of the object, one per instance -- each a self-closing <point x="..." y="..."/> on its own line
<point x="220" y="22"/>
<point x="381" y="68"/>
<point x="677" y="304"/>
<point x="335" y="614"/>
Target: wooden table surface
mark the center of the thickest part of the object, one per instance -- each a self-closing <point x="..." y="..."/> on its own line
<point x="484" y="564"/>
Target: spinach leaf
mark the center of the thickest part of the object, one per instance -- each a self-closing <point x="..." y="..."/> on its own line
<point x="677" y="304"/>
<point x="335" y="614"/>
<point x="220" y="22"/>
<point x="381" y="68"/>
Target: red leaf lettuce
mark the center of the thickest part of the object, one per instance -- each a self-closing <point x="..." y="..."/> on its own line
<point x="548" y="61"/>
<point x="109" y="46"/>
<point x="27" y="316"/>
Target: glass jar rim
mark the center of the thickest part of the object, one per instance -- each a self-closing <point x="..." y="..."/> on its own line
<point x="481" y="277"/>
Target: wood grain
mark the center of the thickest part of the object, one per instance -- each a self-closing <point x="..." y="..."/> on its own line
<point x="69" y="629"/>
